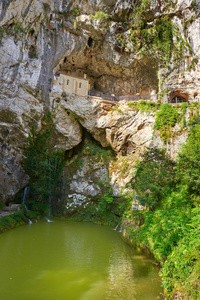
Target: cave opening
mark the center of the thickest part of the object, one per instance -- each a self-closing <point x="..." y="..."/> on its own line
<point x="109" y="78"/>
<point x="178" y="97"/>
<point x="90" y="42"/>
<point x="86" y="138"/>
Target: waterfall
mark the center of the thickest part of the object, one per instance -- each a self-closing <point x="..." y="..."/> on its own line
<point x="118" y="226"/>
<point x="49" y="197"/>
<point x="26" y="197"/>
<point x="48" y="220"/>
<point x="25" y="200"/>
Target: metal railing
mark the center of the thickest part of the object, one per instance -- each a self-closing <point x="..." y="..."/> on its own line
<point x="120" y="98"/>
<point x="95" y="93"/>
<point x="138" y="97"/>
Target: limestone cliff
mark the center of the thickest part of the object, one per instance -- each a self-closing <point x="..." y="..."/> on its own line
<point x="39" y="39"/>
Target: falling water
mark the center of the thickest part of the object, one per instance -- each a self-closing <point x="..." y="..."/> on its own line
<point x="48" y="220"/>
<point x="118" y="226"/>
<point x="25" y="200"/>
<point x="26" y="197"/>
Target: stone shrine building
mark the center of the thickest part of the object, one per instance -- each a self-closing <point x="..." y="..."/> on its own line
<point x="73" y="84"/>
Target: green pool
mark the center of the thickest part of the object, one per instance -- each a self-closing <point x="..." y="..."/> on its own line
<point x="73" y="261"/>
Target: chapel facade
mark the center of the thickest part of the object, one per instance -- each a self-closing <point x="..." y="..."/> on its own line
<point x="73" y="84"/>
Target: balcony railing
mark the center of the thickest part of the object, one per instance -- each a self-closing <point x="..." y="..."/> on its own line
<point x="120" y="98"/>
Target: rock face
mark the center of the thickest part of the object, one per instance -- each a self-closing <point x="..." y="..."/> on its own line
<point x="38" y="39"/>
<point x="88" y="175"/>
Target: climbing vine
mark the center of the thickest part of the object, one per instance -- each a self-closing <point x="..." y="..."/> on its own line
<point x="166" y="118"/>
<point x="43" y="165"/>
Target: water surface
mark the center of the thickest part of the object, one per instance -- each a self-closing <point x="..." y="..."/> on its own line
<point x="73" y="261"/>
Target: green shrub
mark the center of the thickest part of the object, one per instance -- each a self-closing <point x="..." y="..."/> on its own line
<point x="166" y="118"/>
<point x="154" y="177"/>
<point x="189" y="161"/>
<point x="171" y="230"/>
<point x="104" y="17"/>
<point x="181" y="270"/>
<point x="144" y="105"/>
<point x="76" y="12"/>
<point x="184" y="106"/>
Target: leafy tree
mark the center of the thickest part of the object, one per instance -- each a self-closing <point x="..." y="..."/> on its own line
<point x="154" y="177"/>
<point x="188" y="166"/>
<point x="43" y="165"/>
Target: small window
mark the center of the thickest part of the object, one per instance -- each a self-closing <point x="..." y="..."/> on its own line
<point x="67" y="81"/>
<point x="80" y="85"/>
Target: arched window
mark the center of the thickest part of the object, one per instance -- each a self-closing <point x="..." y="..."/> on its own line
<point x="178" y="99"/>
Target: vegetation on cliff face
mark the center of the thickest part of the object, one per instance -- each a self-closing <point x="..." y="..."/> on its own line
<point x="170" y="191"/>
<point x="171" y="228"/>
<point x="154" y="178"/>
<point x="144" y="105"/>
<point x="91" y="165"/>
<point x="44" y="167"/>
<point x="158" y="37"/>
<point x="166" y="118"/>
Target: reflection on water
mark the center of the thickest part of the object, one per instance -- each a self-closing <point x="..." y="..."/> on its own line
<point x="121" y="284"/>
<point x="73" y="261"/>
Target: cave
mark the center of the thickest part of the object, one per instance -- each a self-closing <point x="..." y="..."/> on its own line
<point x="108" y="76"/>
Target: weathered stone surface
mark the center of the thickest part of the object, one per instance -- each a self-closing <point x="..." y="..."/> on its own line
<point x="41" y="38"/>
<point x="84" y="172"/>
<point x="12" y="176"/>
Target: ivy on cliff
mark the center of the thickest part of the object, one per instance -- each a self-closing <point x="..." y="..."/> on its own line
<point x="43" y="165"/>
<point x="166" y="118"/>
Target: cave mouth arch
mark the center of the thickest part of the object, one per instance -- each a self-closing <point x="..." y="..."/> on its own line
<point x="178" y="97"/>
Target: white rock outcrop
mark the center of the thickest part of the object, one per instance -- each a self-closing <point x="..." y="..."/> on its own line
<point x="38" y="39"/>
